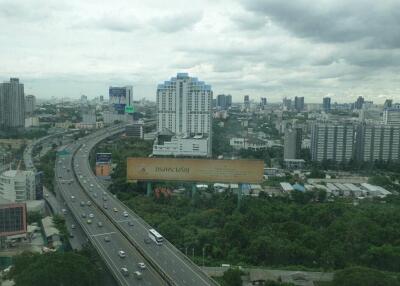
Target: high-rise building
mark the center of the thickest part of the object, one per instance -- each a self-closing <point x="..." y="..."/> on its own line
<point x="326" y="104"/>
<point x="12" y="104"/>
<point x="18" y="186"/>
<point x="287" y="103"/>
<point x="30" y="104"/>
<point x="391" y="115"/>
<point x="330" y="141"/>
<point x="224" y="101"/>
<point x="228" y="101"/>
<point x="292" y="141"/>
<point x="378" y="143"/>
<point x="135" y="129"/>
<point x="184" y="109"/>
<point x="121" y="98"/>
<point x="263" y="102"/>
<point x="359" y="103"/>
<point x="246" y="101"/>
<point x="221" y="101"/>
<point x="299" y="103"/>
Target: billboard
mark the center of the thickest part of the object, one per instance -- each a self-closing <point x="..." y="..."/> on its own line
<point x="103" y="158"/>
<point x="103" y="170"/>
<point x="12" y="219"/>
<point x="195" y="170"/>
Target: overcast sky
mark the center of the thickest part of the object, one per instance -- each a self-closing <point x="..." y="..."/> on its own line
<point x="272" y="48"/>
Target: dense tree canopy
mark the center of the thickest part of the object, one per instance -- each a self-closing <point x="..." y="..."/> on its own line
<point x="52" y="269"/>
<point x="359" y="276"/>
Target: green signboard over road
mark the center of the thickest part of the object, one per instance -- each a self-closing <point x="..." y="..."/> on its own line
<point x="129" y="109"/>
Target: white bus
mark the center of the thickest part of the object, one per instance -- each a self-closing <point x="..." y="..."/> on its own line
<point x="155" y="236"/>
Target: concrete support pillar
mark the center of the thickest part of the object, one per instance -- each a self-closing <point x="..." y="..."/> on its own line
<point x="148" y="189"/>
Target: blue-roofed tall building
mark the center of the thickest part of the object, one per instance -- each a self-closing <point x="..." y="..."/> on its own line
<point x="184" y="110"/>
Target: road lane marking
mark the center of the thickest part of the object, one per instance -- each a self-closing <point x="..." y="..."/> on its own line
<point x="104" y="233"/>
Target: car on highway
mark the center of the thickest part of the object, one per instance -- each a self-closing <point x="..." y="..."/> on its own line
<point x="138" y="275"/>
<point x="105" y="206"/>
<point x="121" y="254"/>
<point x="141" y="265"/>
<point x="95" y="195"/>
<point x="125" y="213"/>
<point x="125" y="271"/>
<point x="91" y="215"/>
<point x="73" y="226"/>
<point x="130" y="223"/>
<point x="115" y="209"/>
<point x="107" y="239"/>
<point x="89" y="203"/>
<point x="72" y="198"/>
<point x="82" y="203"/>
<point x="99" y="224"/>
<point x="105" y="198"/>
<point x="83" y="215"/>
<point x="64" y="211"/>
<point x="71" y="235"/>
<point x="89" y="221"/>
<point x="91" y="185"/>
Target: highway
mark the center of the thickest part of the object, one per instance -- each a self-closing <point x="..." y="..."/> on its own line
<point x="177" y="268"/>
<point x="106" y="239"/>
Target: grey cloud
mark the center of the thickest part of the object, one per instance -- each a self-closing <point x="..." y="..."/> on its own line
<point x="335" y="21"/>
<point x="249" y="21"/>
<point x="176" y="22"/>
<point x="24" y="11"/>
<point x="111" y="23"/>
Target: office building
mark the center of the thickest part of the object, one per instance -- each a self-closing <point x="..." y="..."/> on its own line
<point x="135" y="129"/>
<point x="326" y="104"/>
<point x="13" y="219"/>
<point x="12" y="104"/>
<point x="184" y="112"/>
<point x="299" y="103"/>
<point x="359" y="103"/>
<point x="332" y="141"/>
<point x="30" y="104"/>
<point x="121" y="99"/>
<point x="292" y="143"/>
<point x="18" y="186"/>
<point x="378" y="143"/>
<point x="391" y="115"/>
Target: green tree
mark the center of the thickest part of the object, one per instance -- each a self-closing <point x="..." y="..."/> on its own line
<point x="232" y="277"/>
<point x="359" y="276"/>
<point x="53" y="269"/>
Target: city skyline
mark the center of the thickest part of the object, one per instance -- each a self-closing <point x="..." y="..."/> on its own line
<point x="256" y="48"/>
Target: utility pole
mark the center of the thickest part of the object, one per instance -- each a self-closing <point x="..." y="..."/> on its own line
<point x="204" y="249"/>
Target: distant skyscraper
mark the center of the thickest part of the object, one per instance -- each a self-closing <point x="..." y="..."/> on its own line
<point x="30" y="104"/>
<point x="331" y="141"/>
<point x="12" y="104"/>
<point x="326" y="104"/>
<point x="287" y="103"/>
<point x="228" y="101"/>
<point x="359" y="103"/>
<point x="121" y="98"/>
<point x="246" y="101"/>
<point x="292" y="147"/>
<point x="378" y="143"/>
<point x="299" y="103"/>
<point x="224" y="101"/>
<point x="101" y="98"/>
<point x="221" y="101"/>
<point x="263" y="101"/>
<point x="184" y="110"/>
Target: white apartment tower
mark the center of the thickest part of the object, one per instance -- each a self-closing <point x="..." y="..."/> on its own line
<point x="184" y="107"/>
<point x="330" y="141"/>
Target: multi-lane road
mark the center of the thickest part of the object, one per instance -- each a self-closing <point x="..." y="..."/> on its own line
<point x="179" y="269"/>
<point x="103" y="234"/>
